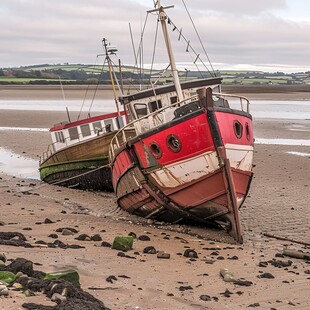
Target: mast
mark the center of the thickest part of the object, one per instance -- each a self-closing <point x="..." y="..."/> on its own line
<point x="176" y="80"/>
<point x="111" y="75"/>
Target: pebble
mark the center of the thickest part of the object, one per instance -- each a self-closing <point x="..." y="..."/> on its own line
<point x="67" y="232"/>
<point x="190" y="253"/>
<point x="96" y="237"/>
<point x="144" y="238"/>
<point x="48" y="221"/>
<point x="163" y="255"/>
<point x="106" y="244"/>
<point x="149" y="250"/>
<point x="54" y="236"/>
<point x="3" y="290"/>
<point x="205" y="297"/>
<point x="266" y="275"/>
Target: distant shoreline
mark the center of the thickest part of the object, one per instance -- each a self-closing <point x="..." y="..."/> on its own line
<point x="72" y="92"/>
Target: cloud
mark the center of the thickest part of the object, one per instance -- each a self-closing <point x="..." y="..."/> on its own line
<point x="234" y="32"/>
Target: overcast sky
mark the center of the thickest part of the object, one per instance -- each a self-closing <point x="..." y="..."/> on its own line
<point x="236" y="33"/>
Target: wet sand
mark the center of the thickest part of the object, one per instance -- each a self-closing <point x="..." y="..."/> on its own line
<point x="278" y="203"/>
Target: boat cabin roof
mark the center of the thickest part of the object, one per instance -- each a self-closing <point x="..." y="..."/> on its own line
<point x="169" y="88"/>
<point x="85" y="121"/>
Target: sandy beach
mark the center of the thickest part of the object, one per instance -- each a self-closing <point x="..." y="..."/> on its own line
<point x="278" y="204"/>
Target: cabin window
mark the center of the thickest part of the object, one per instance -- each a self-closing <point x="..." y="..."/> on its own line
<point x="59" y="136"/>
<point x="73" y="133"/>
<point x="155" y="105"/>
<point x="97" y="127"/>
<point x="108" y="124"/>
<point x="85" y="130"/>
<point x="173" y="99"/>
<point x="141" y="109"/>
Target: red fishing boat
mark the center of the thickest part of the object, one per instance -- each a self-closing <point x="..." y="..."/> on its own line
<point x="191" y="157"/>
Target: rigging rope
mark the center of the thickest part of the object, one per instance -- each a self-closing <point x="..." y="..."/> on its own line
<point x="199" y="37"/>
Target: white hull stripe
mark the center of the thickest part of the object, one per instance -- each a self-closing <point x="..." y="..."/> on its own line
<point x="191" y="169"/>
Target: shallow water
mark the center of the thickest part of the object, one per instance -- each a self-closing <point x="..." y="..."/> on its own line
<point x="275" y="109"/>
<point x="17" y="165"/>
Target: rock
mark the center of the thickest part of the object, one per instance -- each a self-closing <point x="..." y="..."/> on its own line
<point x="58" y="298"/>
<point x="70" y="275"/>
<point x="190" y="253"/>
<point x="132" y="234"/>
<point x="162" y="254"/>
<point x="123" y="243"/>
<point x="227" y="293"/>
<point x="4" y="290"/>
<point x="233" y="257"/>
<point x="254" y="305"/>
<point x="149" y="250"/>
<point x="27" y="228"/>
<point x="2" y="263"/>
<point x="48" y="221"/>
<point x="281" y="263"/>
<point x="69" y="228"/>
<point x="3" y="257"/>
<point x="83" y="237"/>
<point x="266" y="275"/>
<point x="263" y="264"/>
<point x="17" y="286"/>
<point x="67" y="232"/>
<point x="227" y="275"/>
<point x="243" y="283"/>
<point x="185" y="288"/>
<point x="54" y="236"/>
<point x="205" y="297"/>
<point x="144" y="238"/>
<point x="7" y="276"/>
<point x="106" y="244"/>
<point x="2" y="223"/>
<point x="96" y="237"/>
<point x="110" y="279"/>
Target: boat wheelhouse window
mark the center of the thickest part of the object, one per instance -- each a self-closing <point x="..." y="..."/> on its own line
<point x="59" y="136"/>
<point x="73" y="133"/>
<point x="141" y="109"/>
<point x="97" y="127"/>
<point x="173" y="99"/>
<point x="155" y="105"/>
<point x="85" y="130"/>
<point x="108" y="125"/>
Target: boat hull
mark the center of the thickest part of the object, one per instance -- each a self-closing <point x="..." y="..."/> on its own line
<point x="203" y="177"/>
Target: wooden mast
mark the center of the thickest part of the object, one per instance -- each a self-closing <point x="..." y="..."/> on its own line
<point x="162" y="17"/>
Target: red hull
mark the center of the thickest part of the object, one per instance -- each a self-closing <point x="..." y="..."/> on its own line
<point x="156" y="185"/>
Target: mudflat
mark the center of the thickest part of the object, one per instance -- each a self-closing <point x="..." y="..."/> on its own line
<point x="277" y="205"/>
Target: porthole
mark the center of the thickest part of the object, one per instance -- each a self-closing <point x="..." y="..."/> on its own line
<point x="156" y="150"/>
<point x="247" y="131"/>
<point x="238" y="128"/>
<point x="174" y="143"/>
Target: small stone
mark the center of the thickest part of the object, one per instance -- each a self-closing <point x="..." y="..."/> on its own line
<point x="83" y="237"/>
<point x="67" y="232"/>
<point x="227" y="293"/>
<point x="3" y="257"/>
<point x="149" y="250"/>
<point x="63" y="212"/>
<point x="96" y="237"/>
<point x="185" y="288"/>
<point x="144" y="238"/>
<point x="227" y="275"/>
<point x="17" y="286"/>
<point x="266" y="275"/>
<point x="132" y="234"/>
<point x="233" y="257"/>
<point x="254" y="305"/>
<point x="123" y="243"/>
<point x="58" y="298"/>
<point x="243" y="283"/>
<point x="4" y="290"/>
<point x="106" y="244"/>
<point x="2" y="223"/>
<point x="205" y="297"/>
<point x="54" y="236"/>
<point x="263" y="264"/>
<point x="190" y="253"/>
<point x="163" y="255"/>
<point x="27" y="228"/>
<point x="48" y="221"/>
<point x="110" y="279"/>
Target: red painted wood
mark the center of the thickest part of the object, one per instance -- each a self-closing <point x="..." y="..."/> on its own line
<point x="121" y="164"/>
<point x="226" y="126"/>
<point x="194" y="135"/>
